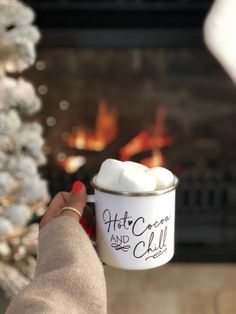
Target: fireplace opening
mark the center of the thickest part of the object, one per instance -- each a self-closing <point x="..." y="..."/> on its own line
<point x="171" y="107"/>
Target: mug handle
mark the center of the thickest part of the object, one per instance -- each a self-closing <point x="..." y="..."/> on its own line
<point x="90" y="198"/>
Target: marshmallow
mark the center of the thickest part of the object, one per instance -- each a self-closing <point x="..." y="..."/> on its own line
<point x="135" y="165"/>
<point x="109" y="173"/>
<point x="163" y="177"/>
<point x="130" y="176"/>
<point x="135" y="180"/>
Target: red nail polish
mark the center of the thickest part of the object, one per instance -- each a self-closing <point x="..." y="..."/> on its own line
<point x="77" y="186"/>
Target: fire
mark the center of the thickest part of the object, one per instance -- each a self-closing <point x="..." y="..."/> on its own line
<point x="156" y="160"/>
<point x="106" y="130"/>
<point x="153" y="139"/>
<point x="71" y="164"/>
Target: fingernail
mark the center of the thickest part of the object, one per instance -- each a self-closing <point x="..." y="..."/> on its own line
<point x="77" y="186"/>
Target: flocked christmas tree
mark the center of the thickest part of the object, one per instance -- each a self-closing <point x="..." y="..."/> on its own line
<point x="23" y="193"/>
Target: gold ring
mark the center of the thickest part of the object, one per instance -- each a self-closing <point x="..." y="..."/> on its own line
<point x="71" y="209"/>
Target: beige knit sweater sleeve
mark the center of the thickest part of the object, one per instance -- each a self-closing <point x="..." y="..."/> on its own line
<point x="69" y="277"/>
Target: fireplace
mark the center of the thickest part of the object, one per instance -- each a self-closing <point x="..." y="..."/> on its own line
<point x="162" y="102"/>
<point x="170" y="107"/>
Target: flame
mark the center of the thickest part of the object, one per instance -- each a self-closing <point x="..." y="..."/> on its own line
<point x="71" y="164"/>
<point x="156" y="160"/>
<point x="106" y="130"/>
<point x="150" y="139"/>
<point x="106" y="123"/>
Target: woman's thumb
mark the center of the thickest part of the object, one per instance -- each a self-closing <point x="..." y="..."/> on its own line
<point x="76" y="200"/>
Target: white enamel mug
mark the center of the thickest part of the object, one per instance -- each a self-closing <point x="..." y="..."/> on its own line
<point x="135" y="230"/>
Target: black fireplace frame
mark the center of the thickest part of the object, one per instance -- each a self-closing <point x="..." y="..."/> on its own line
<point x="121" y="23"/>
